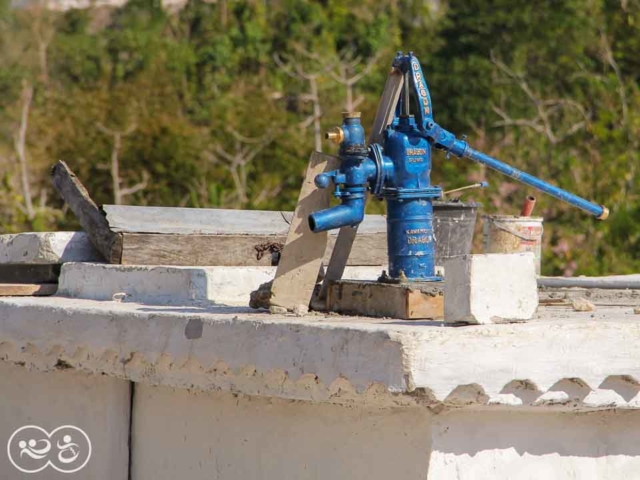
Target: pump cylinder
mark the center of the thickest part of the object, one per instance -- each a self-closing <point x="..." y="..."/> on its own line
<point x="410" y="239"/>
<point x="408" y="191"/>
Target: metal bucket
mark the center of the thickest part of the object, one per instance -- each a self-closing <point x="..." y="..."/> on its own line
<point x="453" y="226"/>
<point x="513" y="234"/>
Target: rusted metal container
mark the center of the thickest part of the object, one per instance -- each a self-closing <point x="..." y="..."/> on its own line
<point x="513" y="234"/>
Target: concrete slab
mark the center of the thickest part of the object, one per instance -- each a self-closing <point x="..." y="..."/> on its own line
<point x="165" y="285"/>
<point x="44" y="248"/>
<point x="481" y="289"/>
<point x="334" y="359"/>
<point x="97" y="404"/>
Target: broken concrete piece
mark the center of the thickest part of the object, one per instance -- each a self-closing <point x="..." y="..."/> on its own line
<point x="491" y="287"/>
<point x="168" y="285"/>
<point x="636" y="311"/>
<point x="46" y="248"/>
<point x="582" y="305"/>
<point x="300" y="310"/>
<point x="275" y="310"/>
<point x="161" y="285"/>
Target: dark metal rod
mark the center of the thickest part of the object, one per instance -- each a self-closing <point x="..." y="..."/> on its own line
<point x="405" y="101"/>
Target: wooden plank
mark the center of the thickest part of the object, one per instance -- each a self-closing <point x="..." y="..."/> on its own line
<point x="339" y="258"/>
<point x="189" y="236"/>
<point x="376" y="299"/>
<point x="19" y="273"/>
<point x="425" y="305"/>
<point x="27" y="290"/>
<point x="233" y="250"/>
<point x="215" y="221"/>
<point x="387" y="106"/>
<point x="210" y="221"/>
<point x="85" y="209"/>
<point x="201" y="250"/>
<point x="384" y="116"/>
<point x="304" y="250"/>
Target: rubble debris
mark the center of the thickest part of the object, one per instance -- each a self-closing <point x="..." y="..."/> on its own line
<point x="261" y="297"/>
<point x="582" y="305"/>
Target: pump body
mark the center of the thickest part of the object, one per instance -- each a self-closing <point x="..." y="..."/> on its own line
<point x="399" y="171"/>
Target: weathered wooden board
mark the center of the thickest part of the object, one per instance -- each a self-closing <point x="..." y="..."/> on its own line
<point x="375" y="299"/>
<point x="27" y="290"/>
<point x="339" y="259"/>
<point x="20" y="273"/>
<point x="85" y="210"/>
<point x="191" y="236"/>
<point x="233" y="250"/>
<point x="213" y="221"/>
<point x="304" y="250"/>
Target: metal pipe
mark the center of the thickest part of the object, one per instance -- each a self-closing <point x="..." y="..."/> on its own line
<point x="616" y="282"/>
<point x="406" y="109"/>
<point x="350" y="213"/>
<point x="527" y="208"/>
<point x="475" y="185"/>
<point x="462" y="149"/>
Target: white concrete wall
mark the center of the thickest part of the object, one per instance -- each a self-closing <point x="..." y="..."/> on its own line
<point x="97" y="404"/>
<point x="330" y="397"/>
<point x="533" y="446"/>
<point x="195" y="435"/>
<point x="178" y="434"/>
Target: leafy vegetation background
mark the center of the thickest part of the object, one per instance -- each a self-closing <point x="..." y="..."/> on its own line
<point x="213" y="105"/>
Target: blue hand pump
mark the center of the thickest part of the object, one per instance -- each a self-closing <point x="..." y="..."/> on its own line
<point x="399" y="171"/>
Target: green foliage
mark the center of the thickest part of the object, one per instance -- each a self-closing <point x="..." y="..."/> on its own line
<point x="550" y="87"/>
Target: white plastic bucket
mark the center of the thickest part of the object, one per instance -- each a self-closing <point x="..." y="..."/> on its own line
<point x="513" y="234"/>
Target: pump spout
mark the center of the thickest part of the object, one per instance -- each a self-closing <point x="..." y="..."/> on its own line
<point x="350" y="213"/>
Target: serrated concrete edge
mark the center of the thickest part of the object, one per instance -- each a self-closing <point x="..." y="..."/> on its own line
<point x="307" y="359"/>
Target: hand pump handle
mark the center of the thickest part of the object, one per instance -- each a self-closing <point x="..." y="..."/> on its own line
<point x="447" y="141"/>
<point x="440" y="138"/>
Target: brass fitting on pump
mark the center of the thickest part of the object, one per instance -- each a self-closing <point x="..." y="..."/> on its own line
<point x="336" y="135"/>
